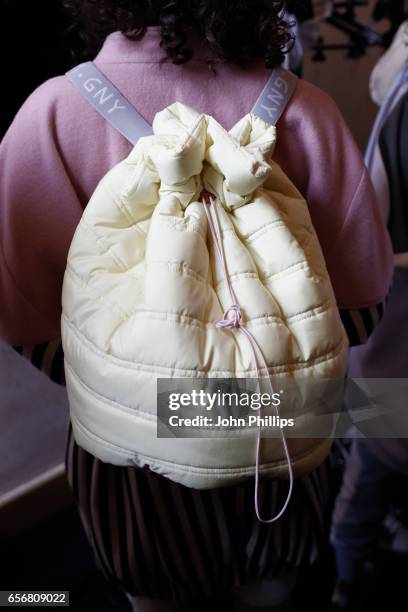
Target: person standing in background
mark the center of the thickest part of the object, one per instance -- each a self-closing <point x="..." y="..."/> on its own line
<point x="373" y="464"/>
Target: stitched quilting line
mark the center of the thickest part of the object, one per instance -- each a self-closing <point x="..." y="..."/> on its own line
<point x="301" y="241"/>
<point x="264" y="229"/>
<point x="136" y="410"/>
<point x="215" y="472"/>
<point x="69" y="270"/>
<point x="264" y="276"/>
<point x="268" y="229"/>
<point x="191" y="321"/>
<point x="141" y="167"/>
<point x="268" y="276"/>
<point x="100" y="238"/>
<point x="187" y="321"/>
<point x="120" y="203"/>
<point x="107" y="250"/>
<point x="148" y="416"/>
<point x="177" y="224"/>
<point x="302" y="316"/>
<point x="180" y="267"/>
<point x="191" y="373"/>
<point x="118" y="200"/>
<point x="106" y="247"/>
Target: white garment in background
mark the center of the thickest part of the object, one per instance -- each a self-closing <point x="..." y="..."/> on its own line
<point x="389" y="65"/>
<point x="373" y="158"/>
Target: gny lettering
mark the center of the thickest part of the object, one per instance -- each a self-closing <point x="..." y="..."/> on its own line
<point x="275" y="96"/>
<point x="102" y="94"/>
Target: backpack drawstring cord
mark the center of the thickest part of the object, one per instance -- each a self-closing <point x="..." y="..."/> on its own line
<point x="232" y="319"/>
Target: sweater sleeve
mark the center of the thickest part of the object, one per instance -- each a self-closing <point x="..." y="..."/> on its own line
<point x="39" y="211"/>
<point x="320" y="156"/>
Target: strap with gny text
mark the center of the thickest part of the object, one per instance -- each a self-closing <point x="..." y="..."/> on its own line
<point x="107" y="100"/>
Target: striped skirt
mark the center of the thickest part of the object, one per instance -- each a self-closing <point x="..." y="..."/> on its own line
<point x="156" y="538"/>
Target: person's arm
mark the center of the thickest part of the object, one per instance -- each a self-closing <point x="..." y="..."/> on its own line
<point x="320" y="156"/>
<point x="39" y="211"/>
<point x="363" y="235"/>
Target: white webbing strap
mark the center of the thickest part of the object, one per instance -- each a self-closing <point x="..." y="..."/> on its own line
<point x="100" y="93"/>
<point x="107" y="100"/>
<point x="275" y="95"/>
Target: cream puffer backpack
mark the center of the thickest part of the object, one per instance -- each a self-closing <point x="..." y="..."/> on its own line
<point x="162" y="282"/>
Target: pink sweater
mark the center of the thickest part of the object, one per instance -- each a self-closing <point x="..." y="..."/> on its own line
<point x="58" y="148"/>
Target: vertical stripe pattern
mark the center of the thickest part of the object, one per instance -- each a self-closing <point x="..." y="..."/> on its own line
<point x="47" y="357"/>
<point x="360" y="323"/>
<point x="156" y="538"/>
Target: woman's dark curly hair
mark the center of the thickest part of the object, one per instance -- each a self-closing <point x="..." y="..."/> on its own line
<point x="236" y="31"/>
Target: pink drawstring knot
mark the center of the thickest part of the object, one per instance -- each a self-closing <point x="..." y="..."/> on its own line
<point x="235" y="322"/>
<point x="228" y="322"/>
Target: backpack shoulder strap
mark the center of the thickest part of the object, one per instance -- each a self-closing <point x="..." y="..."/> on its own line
<point x="275" y="95"/>
<point x="100" y="93"/>
<point x="97" y="89"/>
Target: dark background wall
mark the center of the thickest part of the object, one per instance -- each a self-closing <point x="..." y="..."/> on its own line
<point x="34" y="46"/>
